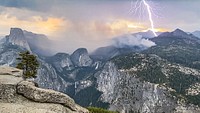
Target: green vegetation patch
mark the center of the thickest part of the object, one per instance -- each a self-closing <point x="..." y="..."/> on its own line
<point x="180" y="81"/>
<point x="193" y="99"/>
<point x="90" y="99"/>
<point x="153" y="75"/>
<point x="151" y="72"/>
<point x="99" y="110"/>
<point x="127" y="61"/>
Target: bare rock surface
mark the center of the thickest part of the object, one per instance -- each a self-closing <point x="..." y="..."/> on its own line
<point x="19" y="96"/>
<point x="5" y="70"/>
<point x="29" y="90"/>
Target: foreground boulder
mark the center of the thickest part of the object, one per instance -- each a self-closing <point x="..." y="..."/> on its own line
<point x="19" y="96"/>
<point x="29" y="90"/>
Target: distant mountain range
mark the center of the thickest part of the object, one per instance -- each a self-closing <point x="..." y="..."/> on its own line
<point x="196" y="33"/>
<point x="147" y="74"/>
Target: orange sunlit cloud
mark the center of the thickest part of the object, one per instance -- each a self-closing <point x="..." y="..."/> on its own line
<point x="105" y="29"/>
<point x="157" y="30"/>
<point x="108" y="29"/>
<point x="52" y="26"/>
<point x="124" y="26"/>
<point x="115" y="28"/>
<point x="36" y="24"/>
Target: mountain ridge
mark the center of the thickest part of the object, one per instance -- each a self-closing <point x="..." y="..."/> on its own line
<point x="196" y="33"/>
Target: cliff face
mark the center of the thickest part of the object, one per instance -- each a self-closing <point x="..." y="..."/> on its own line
<point x="16" y="37"/>
<point x="126" y="93"/>
<point x="81" y="58"/>
<point x="144" y="85"/>
<point x="18" y="96"/>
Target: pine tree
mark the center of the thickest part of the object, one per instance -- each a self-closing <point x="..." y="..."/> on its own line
<point x="29" y="64"/>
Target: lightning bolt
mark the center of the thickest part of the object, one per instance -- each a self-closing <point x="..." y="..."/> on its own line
<point x="139" y="9"/>
<point x="150" y="17"/>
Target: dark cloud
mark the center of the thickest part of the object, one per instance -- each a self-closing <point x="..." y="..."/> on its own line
<point x="37" y="5"/>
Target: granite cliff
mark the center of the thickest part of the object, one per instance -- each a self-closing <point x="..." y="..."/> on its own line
<point x="19" y="96"/>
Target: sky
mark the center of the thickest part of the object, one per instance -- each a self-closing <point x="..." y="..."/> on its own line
<point x="93" y="23"/>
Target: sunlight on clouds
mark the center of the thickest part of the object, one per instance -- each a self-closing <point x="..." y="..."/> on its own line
<point x="36" y="24"/>
<point x="124" y="26"/>
<point x="161" y="29"/>
<point x="50" y="25"/>
<point x="157" y="30"/>
<point x="100" y="30"/>
<point x="92" y="30"/>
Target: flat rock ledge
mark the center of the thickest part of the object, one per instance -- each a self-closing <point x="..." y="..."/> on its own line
<point x="19" y="96"/>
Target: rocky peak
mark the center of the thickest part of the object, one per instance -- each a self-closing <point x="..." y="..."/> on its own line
<point x="80" y="57"/>
<point x="60" y="61"/>
<point x="61" y="55"/>
<point x="176" y="33"/>
<point x="80" y="51"/>
<point x="17" y="32"/>
<point x="16" y="37"/>
<point x="179" y="32"/>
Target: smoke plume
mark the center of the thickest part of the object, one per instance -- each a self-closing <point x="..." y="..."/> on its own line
<point x="131" y="41"/>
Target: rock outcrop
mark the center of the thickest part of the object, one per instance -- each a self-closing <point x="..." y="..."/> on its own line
<point x="80" y="58"/>
<point x="61" y="61"/>
<point x="16" y="37"/>
<point x="29" y="90"/>
<point x="19" y="96"/>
